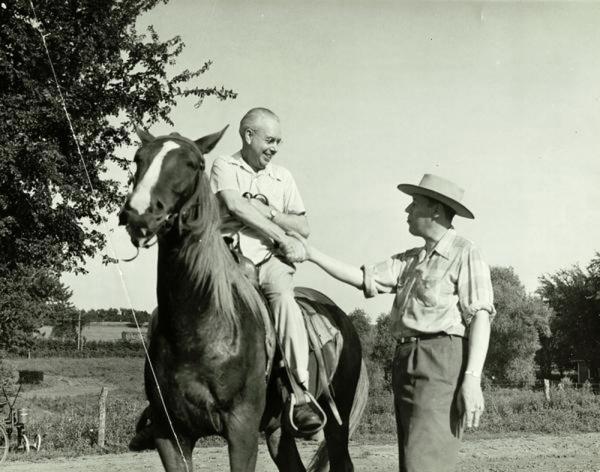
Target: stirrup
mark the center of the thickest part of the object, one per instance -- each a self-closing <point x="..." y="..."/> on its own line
<point x="288" y="415"/>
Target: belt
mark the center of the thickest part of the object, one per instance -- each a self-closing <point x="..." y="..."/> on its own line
<point x="421" y="337"/>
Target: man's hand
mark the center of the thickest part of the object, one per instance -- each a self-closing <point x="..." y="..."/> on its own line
<point x="470" y="401"/>
<point x="292" y="249"/>
<point x="303" y="241"/>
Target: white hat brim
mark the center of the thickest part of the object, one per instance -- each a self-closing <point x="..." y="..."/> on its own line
<point x="458" y="207"/>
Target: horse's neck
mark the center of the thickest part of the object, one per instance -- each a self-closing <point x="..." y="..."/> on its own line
<point x="198" y="276"/>
<point x="177" y="276"/>
<point x="196" y="270"/>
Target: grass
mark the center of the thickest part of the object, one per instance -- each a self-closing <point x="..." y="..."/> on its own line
<point x="68" y="421"/>
<point x="508" y="411"/>
<point x="108" y="331"/>
<point x="124" y="372"/>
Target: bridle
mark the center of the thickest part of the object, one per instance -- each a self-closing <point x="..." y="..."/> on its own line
<point x="168" y="222"/>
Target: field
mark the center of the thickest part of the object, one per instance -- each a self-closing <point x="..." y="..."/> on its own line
<point x="108" y="331"/>
<point x="102" y="330"/>
<point x="520" y="431"/>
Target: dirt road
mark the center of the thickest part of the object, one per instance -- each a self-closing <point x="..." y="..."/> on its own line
<point x="533" y="453"/>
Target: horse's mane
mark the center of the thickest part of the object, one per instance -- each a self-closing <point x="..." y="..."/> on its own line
<point x="208" y="259"/>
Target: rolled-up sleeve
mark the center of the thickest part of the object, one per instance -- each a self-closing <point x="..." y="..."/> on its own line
<point x="475" y="290"/>
<point x="223" y="176"/>
<point x="383" y="276"/>
<point x="292" y="200"/>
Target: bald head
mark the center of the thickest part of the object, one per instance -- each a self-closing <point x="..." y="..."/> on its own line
<point x="254" y="117"/>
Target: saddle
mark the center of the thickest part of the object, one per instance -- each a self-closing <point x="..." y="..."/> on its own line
<point x="325" y="346"/>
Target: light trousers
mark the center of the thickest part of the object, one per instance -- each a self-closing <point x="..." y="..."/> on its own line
<point x="276" y="281"/>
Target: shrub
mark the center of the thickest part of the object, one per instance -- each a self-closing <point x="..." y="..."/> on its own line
<point x="61" y="348"/>
<point x="8" y="375"/>
<point x="508" y="411"/>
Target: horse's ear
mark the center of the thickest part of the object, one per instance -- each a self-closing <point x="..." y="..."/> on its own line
<point x="207" y="143"/>
<point x="144" y="135"/>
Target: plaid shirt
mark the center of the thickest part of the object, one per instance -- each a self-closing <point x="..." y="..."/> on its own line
<point x="435" y="293"/>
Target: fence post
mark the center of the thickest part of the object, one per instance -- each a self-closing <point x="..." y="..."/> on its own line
<point x="79" y="330"/>
<point x="547" y="389"/>
<point x="102" y="416"/>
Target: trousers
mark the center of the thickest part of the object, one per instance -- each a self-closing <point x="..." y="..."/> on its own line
<point x="275" y="278"/>
<point x="426" y="378"/>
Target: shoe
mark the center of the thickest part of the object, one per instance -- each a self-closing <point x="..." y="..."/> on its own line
<point x="143" y="440"/>
<point x="305" y="418"/>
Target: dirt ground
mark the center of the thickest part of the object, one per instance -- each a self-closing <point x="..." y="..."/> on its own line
<point x="568" y="453"/>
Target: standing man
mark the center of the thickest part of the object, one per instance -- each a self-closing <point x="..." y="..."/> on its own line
<point x="440" y="318"/>
<point x="260" y="203"/>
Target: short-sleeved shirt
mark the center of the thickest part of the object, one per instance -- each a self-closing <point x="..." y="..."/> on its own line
<point x="274" y="182"/>
<point x="439" y="292"/>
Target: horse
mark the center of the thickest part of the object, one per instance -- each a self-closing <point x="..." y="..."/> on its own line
<point x="206" y="366"/>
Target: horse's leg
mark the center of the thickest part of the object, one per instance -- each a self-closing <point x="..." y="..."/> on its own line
<point x="171" y="455"/>
<point x="242" y="440"/>
<point x="284" y="452"/>
<point x="336" y="436"/>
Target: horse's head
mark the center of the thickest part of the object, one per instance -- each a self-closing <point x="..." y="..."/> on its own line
<point x="167" y="172"/>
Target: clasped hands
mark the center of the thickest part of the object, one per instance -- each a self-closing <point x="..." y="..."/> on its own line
<point x="294" y="247"/>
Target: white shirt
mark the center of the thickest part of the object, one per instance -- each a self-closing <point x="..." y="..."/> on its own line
<point x="274" y="182"/>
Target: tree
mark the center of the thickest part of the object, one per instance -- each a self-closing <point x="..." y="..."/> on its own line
<point x="111" y="77"/>
<point x="28" y="300"/>
<point x="363" y="327"/>
<point x="573" y="295"/>
<point x="384" y="345"/>
<point x="520" y="321"/>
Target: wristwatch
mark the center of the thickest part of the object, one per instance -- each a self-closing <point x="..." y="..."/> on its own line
<point x="272" y="214"/>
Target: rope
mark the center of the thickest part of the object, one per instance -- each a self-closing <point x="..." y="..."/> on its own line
<point x="110" y="240"/>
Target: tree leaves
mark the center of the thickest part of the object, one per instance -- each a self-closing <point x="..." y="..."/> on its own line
<point x="573" y="295"/>
<point x="515" y="338"/>
<point x="111" y="77"/>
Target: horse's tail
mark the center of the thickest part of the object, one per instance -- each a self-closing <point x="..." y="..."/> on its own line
<point x="320" y="461"/>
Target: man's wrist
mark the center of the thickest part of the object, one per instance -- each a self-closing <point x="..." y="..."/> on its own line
<point x="473" y="373"/>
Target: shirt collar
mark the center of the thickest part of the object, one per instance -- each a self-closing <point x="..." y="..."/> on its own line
<point x="238" y="160"/>
<point x="443" y="246"/>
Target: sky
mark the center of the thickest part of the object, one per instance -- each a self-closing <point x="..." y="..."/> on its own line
<point x="501" y="98"/>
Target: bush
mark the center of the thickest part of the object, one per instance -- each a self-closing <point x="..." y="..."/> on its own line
<point x="508" y="410"/>
<point x="60" y="348"/>
<point x="8" y="375"/>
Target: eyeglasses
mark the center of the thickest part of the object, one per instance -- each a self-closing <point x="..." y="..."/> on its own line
<point x="270" y="140"/>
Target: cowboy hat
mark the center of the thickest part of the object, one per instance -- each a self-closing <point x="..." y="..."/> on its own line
<point x="439" y="189"/>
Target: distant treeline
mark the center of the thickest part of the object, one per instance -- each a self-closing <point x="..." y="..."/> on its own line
<point x="115" y="315"/>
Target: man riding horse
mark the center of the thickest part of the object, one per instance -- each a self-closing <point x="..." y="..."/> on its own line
<point x="260" y="203"/>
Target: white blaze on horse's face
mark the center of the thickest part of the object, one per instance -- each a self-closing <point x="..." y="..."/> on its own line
<point x="141" y="198"/>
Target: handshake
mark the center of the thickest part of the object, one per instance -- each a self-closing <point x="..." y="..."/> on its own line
<point x="294" y="247"/>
